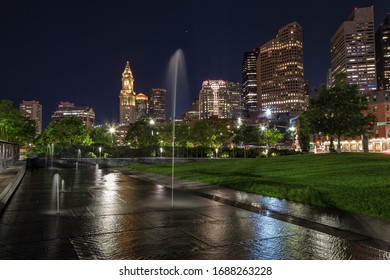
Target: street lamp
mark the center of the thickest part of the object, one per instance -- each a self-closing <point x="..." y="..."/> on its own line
<point x="100" y="152"/>
<point x="151" y="122"/>
<point x="239" y="122"/>
<point x="112" y="131"/>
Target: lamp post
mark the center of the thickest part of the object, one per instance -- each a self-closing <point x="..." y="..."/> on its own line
<point x="151" y="122"/>
<point x="112" y="131"/>
<point x="100" y="152"/>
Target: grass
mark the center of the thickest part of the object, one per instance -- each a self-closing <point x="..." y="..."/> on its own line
<point x="355" y="182"/>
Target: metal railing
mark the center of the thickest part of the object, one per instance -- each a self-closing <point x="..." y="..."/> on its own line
<point x="9" y="153"/>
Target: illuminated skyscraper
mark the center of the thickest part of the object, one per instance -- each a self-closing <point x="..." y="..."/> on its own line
<point x="280" y="80"/>
<point x="32" y="110"/>
<point x="68" y="109"/>
<point x="383" y="54"/>
<point x="235" y="100"/>
<point x="142" y="105"/>
<point x="353" y="50"/>
<point x="157" y="104"/>
<point x="249" y="82"/>
<point x="220" y="98"/>
<point x="127" y="107"/>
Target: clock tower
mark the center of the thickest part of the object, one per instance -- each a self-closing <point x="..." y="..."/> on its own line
<point x="127" y="109"/>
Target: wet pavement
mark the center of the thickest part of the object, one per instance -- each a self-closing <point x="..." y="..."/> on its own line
<point x="105" y="214"/>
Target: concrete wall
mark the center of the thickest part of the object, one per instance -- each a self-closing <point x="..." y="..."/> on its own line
<point x="9" y="181"/>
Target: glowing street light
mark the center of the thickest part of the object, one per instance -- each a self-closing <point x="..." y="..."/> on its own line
<point x="239" y="122"/>
<point x="151" y="122"/>
<point x="100" y="152"/>
<point x="112" y="131"/>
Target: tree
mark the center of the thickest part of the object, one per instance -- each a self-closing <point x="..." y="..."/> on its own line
<point x="340" y="111"/>
<point x="210" y="133"/>
<point x="13" y="126"/>
<point x="270" y="137"/>
<point x="183" y="135"/>
<point x="303" y="133"/>
<point x="65" y="133"/>
<point x="247" y="134"/>
<point x="101" y="136"/>
<point x="142" y="134"/>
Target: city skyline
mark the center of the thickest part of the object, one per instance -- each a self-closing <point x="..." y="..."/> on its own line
<point x="75" y="52"/>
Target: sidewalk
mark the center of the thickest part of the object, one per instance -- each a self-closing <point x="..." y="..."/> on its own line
<point x="370" y="230"/>
<point x="9" y="180"/>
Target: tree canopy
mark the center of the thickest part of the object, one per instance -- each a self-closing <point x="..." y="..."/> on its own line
<point x="142" y="134"/>
<point x="65" y="133"/>
<point x="339" y="111"/>
<point x="13" y="126"/>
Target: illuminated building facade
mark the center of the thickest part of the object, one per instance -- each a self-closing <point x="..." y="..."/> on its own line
<point x="353" y="50"/>
<point x="382" y="42"/>
<point x="219" y="98"/>
<point x="142" y="106"/>
<point x="68" y="109"/>
<point x="157" y="104"/>
<point x="280" y="79"/>
<point x="235" y="100"/>
<point x="127" y="106"/>
<point x="249" y="82"/>
<point x="380" y="107"/>
<point x="33" y="111"/>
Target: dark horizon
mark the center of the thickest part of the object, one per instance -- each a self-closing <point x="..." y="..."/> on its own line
<point x="76" y="52"/>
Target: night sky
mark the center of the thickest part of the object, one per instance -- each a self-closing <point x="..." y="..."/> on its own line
<point x="76" y="51"/>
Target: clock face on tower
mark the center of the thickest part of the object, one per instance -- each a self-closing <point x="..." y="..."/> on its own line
<point x="126" y="82"/>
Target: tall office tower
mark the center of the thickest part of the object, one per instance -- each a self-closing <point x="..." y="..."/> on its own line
<point x="68" y="109"/>
<point x="142" y="106"/>
<point x="211" y="98"/>
<point x="32" y="110"/>
<point x="195" y="104"/>
<point x="157" y="104"/>
<point x="235" y="100"/>
<point x="219" y="98"/>
<point x="280" y="80"/>
<point x="127" y="109"/>
<point x="249" y="82"/>
<point x="382" y="43"/>
<point x="353" y="50"/>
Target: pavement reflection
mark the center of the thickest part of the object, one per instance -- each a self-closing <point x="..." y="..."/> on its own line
<point x="108" y="215"/>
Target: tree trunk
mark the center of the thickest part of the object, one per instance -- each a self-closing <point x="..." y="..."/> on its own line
<point x="331" y="146"/>
<point x="339" y="143"/>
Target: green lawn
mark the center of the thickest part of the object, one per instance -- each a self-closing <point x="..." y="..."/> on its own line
<point x="353" y="182"/>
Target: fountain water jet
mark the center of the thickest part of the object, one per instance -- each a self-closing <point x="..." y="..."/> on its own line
<point x="176" y="66"/>
<point x="56" y="185"/>
<point x="49" y="154"/>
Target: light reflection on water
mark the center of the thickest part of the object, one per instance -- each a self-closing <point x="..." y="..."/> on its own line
<point x="114" y="211"/>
